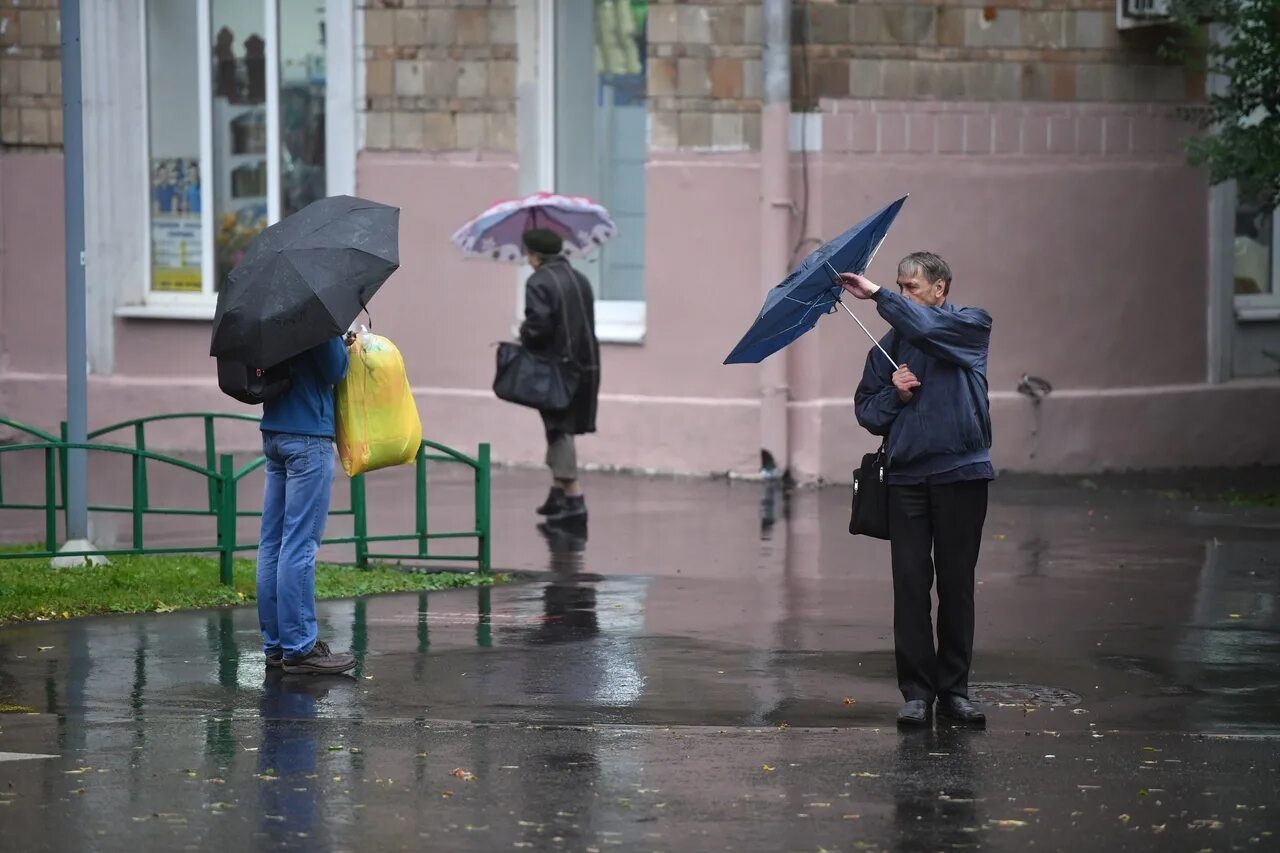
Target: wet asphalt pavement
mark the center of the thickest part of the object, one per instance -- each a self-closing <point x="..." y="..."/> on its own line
<point x="709" y="668"/>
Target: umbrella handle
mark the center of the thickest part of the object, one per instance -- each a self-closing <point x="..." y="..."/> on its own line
<point x="836" y="275"/>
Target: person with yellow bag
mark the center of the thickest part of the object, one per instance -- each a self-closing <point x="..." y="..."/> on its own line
<point x="378" y="423"/>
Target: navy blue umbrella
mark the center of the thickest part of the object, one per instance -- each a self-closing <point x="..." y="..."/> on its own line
<point x="813" y="289"/>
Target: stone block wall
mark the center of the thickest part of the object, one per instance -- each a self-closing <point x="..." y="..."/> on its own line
<point x="440" y="75"/>
<point x="704" y="74"/>
<point x="1008" y="50"/>
<point x="1002" y="129"/>
<point x="30" y="75"/>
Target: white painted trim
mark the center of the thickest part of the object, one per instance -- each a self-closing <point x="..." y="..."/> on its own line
<point x="24" y="756"/>
<point x="208" y="212"/>
<point x="116" y="175"/>
<point x="528" y="94"/>
<point x="535" y="112"/>
<point x="340" y="85"/>
<point x="191" y="308"/>
<point x="271" y="26"/>
<point x="547" y="94"/>
<point x="361" y="77"/>
<point x="1258" y="313"/>
<point x="619" y="321"/>
<point x="145" y="186"/>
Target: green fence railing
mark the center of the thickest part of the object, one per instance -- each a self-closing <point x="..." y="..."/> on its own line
<point x="221" y="481"/>
<point x="31" y="433"/>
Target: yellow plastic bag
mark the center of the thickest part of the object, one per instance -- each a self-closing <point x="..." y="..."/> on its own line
<point x="378" y="424"/>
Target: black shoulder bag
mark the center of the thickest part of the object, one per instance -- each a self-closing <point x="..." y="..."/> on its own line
<point x="869" y="515"/>
<point x="540" y="381"/>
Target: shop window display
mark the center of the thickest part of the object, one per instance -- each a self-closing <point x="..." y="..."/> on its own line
<point x="214" y="151"/>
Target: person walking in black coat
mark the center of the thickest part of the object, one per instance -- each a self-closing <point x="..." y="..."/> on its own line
<point x="559" y="319"/>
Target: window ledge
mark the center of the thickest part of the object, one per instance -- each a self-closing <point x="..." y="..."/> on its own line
<point x="198" y="312"/>
<point x="619" y="333"/>
<point x="1264" y="313"/>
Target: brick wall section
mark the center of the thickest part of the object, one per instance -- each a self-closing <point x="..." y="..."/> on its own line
<point x="1001" y="129"/>
<point x="704" y="73"/>
<point x="440" y="75"/>
<point x="30" y="75"/>
<point x="1009" y="50"/>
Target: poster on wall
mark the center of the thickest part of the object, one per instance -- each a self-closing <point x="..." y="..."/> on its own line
<point x="175" y="225"/>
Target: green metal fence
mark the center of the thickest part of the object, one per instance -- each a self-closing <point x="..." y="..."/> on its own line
<point x="221" y="481"/>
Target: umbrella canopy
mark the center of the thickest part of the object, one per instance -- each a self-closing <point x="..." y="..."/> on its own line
<point x="495" y="234"/>
<point x="305" y="279"/>
<point x="794" y="306"/>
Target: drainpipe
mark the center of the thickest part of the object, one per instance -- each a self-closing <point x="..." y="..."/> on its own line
<point x="775" y="223"/>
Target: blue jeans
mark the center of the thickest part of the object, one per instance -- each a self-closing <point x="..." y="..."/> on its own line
<point x="295" y="506"/>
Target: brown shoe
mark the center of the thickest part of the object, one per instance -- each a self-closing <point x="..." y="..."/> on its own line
<point x="321" y="661"/>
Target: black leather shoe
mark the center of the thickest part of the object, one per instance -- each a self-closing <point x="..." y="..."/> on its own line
<point x="572" y="509"/>
<point x="555" y="498"/>
<point x="961" y="710"/>
<point x="914" y="713"/>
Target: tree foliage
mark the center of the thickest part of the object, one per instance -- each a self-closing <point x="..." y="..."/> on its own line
<point x="1237" y="42"/>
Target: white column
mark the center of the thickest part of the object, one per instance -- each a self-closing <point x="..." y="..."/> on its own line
<point x="117" y="180"/>
<point x="340" y="92"/>
<point x="271" y="26"/>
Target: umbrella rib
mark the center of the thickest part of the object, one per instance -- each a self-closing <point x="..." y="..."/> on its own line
<point x="782" y="332"/>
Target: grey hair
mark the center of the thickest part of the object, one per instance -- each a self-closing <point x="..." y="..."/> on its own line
<point x="933" y="267"/>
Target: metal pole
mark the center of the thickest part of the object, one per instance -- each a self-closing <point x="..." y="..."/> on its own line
<point x="775" y="218"/>
<point x="77" y="358"/>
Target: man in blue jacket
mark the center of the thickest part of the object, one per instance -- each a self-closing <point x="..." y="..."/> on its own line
<point x="935" y="414"/>
<point x="297" y="439"/>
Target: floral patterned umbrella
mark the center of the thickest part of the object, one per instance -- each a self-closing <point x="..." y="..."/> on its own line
<point x="495" y="234"/>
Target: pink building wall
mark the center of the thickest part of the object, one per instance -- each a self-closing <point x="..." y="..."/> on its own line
<point x="1079" y="227"/>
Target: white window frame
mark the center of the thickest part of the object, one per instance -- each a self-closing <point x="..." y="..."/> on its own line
<point x="1260" y="307"/>
<point x="617" y="320"/>
<point x="341" y="29"/>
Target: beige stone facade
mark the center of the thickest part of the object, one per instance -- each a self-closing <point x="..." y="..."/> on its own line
<point x="1028" y="50"/>
<point x="439" y="75"/>
<point x="705" y="75"/>
<point x="30" y="75"/>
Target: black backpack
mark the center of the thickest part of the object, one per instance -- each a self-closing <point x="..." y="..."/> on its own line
<point x="253" y="385"/>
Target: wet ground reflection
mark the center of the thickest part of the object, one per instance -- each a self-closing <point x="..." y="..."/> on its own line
<point x="655" y="666"/>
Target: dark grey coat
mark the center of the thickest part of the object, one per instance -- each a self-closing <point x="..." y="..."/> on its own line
<point x="560" y="318"/>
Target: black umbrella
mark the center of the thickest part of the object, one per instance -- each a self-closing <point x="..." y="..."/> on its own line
<point x="305" y="279"/>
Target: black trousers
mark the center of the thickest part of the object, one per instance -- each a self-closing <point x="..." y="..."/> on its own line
<point x="935" y="530"/>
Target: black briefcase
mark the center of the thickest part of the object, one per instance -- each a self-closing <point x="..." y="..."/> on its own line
<point x="870" y="513"/>
<point x="544" y="382"/>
